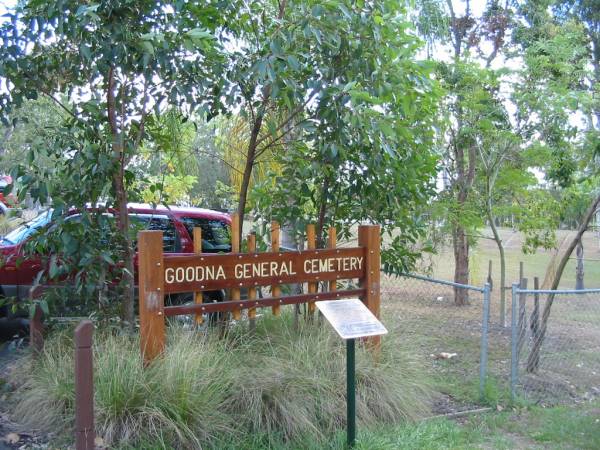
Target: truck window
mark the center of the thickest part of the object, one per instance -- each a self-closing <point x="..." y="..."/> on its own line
<point x="23" y="232"/>
<point x="216" y="235"/>
<point x="139" y="222"/>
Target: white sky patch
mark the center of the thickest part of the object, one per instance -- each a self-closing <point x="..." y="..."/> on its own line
<point x="5" y="5"/>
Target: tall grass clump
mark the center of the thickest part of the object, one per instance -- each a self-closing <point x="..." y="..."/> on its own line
<point x="299" y="382"/>
<point x="283" y="384"/>
<point x="177" y="402"/>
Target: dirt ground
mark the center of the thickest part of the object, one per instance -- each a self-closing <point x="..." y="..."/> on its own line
<point x="12" y="435"/>
<point x="448" y="340"/>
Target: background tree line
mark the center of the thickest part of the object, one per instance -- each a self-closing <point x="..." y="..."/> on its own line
<point x="433" y="119"/>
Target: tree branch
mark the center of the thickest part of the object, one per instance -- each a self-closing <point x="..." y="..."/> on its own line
<point x="59" y="103"/>
<point x="140" y="132"/>
<point x="293" y="114"/>
<point x="111" y="103"/>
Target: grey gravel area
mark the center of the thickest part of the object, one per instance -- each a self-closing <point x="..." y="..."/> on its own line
<point x="13" y="436"/>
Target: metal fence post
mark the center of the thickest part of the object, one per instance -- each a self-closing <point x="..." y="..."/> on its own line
<point x="514" y="363"/>
<point x="483" y="359"/>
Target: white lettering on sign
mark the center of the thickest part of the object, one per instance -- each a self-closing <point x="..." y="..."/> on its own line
<point x="265" y="269"/>
<point x="191" y="274"/>
<point x="333" y="264"/>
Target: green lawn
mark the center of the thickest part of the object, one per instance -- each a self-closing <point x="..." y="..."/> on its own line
<point x="532" y="428"/>
<point x="534" y="265"/>
<point x="524" y="428"/>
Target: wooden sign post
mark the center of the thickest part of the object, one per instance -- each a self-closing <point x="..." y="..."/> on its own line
<point x="151" y="274"/>
<point x="161" y="274"/>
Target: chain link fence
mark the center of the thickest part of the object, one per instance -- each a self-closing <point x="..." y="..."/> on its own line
<point x="450" y="339"/>
<point x="555" y="345"/>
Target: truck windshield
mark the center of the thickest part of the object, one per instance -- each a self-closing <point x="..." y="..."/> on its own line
<point x="216" y="235"/>
<point x="23" y="232"/>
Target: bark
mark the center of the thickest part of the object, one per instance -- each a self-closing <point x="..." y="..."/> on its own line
<point x="465" y="174"/>
<point x="250" y="157"/>
<point x="461" y="265"/>
<point x="500" y="246"/>
<point x="322" y="211"/>
<point x="127" y="280"/>
<point x="253" y="143"/>
<point x="533" y="359"/>
<point x="465" y="171"/>
<point x="596" y="63"/>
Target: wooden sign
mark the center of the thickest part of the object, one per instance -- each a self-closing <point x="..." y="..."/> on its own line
<point x="351" y="319"/>
<point x="212" y="272"/>
<point x="161" y="274"/>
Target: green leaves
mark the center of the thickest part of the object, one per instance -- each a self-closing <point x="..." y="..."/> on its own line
<point x="363" y="152"/>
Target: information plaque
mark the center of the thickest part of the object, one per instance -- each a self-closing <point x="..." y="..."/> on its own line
<point x="351" y="318"/>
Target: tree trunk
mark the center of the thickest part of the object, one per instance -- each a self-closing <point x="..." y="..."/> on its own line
<point x="500" y="246"/>
<point x="464" y="180"/>
<point x="250" y="155"/>
<point x="461" y="265"/>
<point x="127" y="281"/>
<point x="254" y="141"/>
<point x="579" y="271"/>
<point x="322" y="211"/>
<point x="534" y="355"/>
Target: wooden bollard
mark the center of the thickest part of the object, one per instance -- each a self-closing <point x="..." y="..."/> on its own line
<point x="235" y="248"/>
<point x="36" y="330"/>
<point x="197" y="250"/>
<point x="275" y="243"/>
<point x="311" y="245"/>
<point x="84" y="387"/>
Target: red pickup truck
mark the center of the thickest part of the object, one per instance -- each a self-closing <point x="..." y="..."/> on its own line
<point x="6" y="202"/>
<point x="18" y="273"/>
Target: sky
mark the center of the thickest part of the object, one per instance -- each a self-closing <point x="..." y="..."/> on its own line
<point x="4" y="4"/>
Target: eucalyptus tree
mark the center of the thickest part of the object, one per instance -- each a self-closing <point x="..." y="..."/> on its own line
<point x="361" y="149"/>
<point x="561" y="43"/>
<point x="106" y="65"/>
<point x="471" y="44"/>
<point x="300" y="67"/>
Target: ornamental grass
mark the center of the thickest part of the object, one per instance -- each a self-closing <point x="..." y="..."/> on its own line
<point x="275" y="387"/>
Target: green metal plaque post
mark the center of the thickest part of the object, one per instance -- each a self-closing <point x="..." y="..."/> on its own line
<point x="351" y="392"/>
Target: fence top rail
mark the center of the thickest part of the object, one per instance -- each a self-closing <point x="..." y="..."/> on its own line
<point x="558" y="291"/>
<point x="447" y="283"/>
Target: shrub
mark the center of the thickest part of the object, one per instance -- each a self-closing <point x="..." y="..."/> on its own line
<point x="281" y="384"/>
